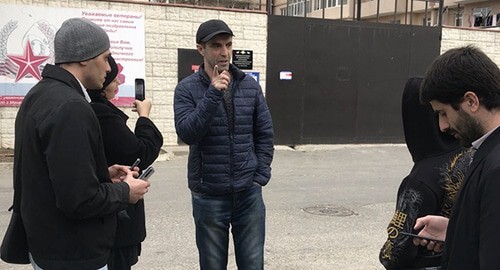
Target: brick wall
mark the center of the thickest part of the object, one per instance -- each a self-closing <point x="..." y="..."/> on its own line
<point x="167" y="28"/>
<point x="486" y="40"/>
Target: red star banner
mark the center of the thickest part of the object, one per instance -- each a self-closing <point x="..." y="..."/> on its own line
<point x="28" y="63"/>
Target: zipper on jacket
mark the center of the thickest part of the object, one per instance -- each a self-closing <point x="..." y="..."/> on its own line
<point x="230" y="123"/>
<point x="201" y="166"/>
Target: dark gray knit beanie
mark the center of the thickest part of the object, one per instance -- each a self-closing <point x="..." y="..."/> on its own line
<point x="79" y="40"/>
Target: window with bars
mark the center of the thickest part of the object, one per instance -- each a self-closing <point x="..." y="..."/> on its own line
<point x="482" y="16"/>
<point x="318" y="4"/>
<point x="334" y="3"/>
<point x="296" y="7"/>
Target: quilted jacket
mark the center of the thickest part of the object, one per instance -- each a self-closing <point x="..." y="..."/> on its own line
<point x="224" y="158"/>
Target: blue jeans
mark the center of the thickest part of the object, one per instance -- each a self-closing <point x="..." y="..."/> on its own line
<point x="245" y="212"/>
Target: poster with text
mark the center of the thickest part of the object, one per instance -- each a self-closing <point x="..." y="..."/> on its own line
<point x="27" y="45"/>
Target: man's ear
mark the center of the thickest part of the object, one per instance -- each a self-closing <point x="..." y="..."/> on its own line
<point x="471" y="101"/>
<point x="84" y="63"/>
<point x="200" y="49"/>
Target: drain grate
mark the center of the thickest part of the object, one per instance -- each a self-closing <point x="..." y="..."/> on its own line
<point x="329" y="210"/>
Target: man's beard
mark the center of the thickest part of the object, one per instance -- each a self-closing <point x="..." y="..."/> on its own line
<point x="469" y="129"/>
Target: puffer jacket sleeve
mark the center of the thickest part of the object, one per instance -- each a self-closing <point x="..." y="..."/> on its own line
<point x="193" y="115"/>
<point x="263" y="139"/>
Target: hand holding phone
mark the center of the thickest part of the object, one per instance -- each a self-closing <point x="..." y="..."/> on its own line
<point x="140" y="89"/>
<point x="123" y="215"/>
<point x="421" y="237"/>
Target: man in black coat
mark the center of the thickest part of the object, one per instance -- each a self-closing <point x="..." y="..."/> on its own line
<point x="463" y="87"/>
<point x="70" y="197"/>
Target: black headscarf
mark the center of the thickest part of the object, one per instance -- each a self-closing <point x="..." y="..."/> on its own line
<point x="112" y="74"/>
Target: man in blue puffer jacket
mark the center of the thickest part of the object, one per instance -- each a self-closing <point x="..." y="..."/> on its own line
<point x="223" y="116"/>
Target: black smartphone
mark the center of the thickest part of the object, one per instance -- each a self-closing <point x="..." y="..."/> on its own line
<point x="140" y="89"/>
<point x="136" y="162"/>
<point x="147" y="173"/>
<point x="421" y="237"/>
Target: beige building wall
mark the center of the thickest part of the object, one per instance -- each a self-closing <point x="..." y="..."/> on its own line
<point x="167" y="28"/>
<point x="464" y="9"/>
<point x="387" y="8"/>
<point x="486" y="40"/>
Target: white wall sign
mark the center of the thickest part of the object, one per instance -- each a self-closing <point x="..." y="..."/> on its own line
<point x="286" y="75"/>
<point x="27" y="45"/>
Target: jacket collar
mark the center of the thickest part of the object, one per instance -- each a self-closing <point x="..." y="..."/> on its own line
<point x="489" y="144"/>
<point x="60" y="74"/>
<point x="97" y="97"/>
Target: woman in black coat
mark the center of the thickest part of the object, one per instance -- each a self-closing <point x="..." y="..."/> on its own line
<point x="122" y="146"/>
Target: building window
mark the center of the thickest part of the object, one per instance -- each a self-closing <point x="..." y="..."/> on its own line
<point x="296" y="8"/>
<point x="459" y="21"/>
<point x="459" y="16"/>
<point x="482" y="16"/>
<point x="334" y="3"/>
<point x="318" y="4"/>
<point x="426" y="21"/>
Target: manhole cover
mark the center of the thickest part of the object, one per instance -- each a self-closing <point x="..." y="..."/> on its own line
<point x="329" y="210"/>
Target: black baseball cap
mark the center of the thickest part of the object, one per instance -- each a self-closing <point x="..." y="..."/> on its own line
<point x="210" y="29"/>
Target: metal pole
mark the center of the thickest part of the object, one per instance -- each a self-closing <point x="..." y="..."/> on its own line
<point x="323" y="4"/>
<point x="425" y="17"/>
<point x="353" y="10"/>
<point x="269" y="6"/>
<point x="395" y="10"/>
<point x="440" y="17"/>
<point x="411" y="13"/>
<point x="359" y="10"/>
<point x="406" y="12"/>
<point x="341" y="9"/>
<point x="305" y="8"/>
<point x="378" y="9"/>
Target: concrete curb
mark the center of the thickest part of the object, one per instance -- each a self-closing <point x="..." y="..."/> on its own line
<point x="172" y="151"/>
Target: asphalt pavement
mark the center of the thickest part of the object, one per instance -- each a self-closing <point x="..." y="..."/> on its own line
<point x="327" y="208"/>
